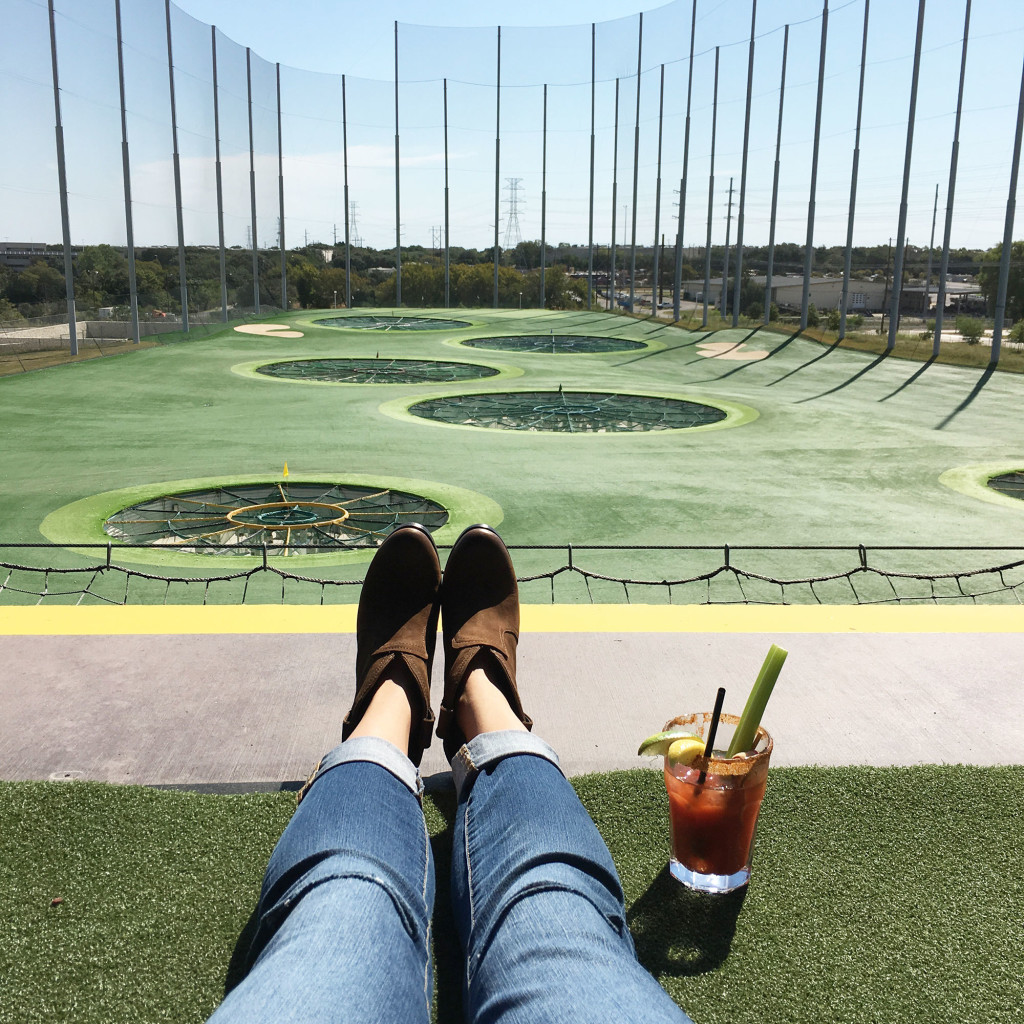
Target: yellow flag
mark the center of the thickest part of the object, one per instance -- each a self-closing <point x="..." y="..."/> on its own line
<point x="286" y="469"/>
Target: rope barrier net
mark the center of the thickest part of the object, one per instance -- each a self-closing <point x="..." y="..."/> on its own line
<point x="567" y="574"/>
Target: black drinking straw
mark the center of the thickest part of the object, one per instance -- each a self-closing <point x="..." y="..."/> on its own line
<point x="712" y="729"/>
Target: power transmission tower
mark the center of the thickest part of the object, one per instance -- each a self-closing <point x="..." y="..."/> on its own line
<point x="512" y="233"/>
<point x="353" y="225"/>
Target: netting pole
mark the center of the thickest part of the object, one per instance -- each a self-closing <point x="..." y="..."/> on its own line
<point x="901" y="232"/>
<point x="931" y="245"/>
<point x="1011" y="205"/>
<point x="182" y="281"/>
<point x="126" y="174"/>
<point x="593" y="116"/>
<point x="447" y="250"/>
<point x="62" y="181"/>
<point x="775" y="187"/>
<point x="711" y="195"/>
<point x="940" y="298"/>
<point x="848" y="263"/>
<point x="612" y="284"/>
<point x="636" y="167"/>
<point x="737" y="287"/>
<point x="344" y="157"/>
<point x="280" y="194"/>
<point x="252" y="188"/>
<point x="398" y="192"/>
<point x="656" y="265"/>
<point x="544" y="206"/>
<point x="220" y="182"/>
<point x="497" y="164"/>
<point x="725" y="261"/>
<point x="809" y="247"/>
<point x="677" y="291"/>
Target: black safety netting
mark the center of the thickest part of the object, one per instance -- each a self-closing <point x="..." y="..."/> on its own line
<point x="387" y="323"/>
<point x="286" y="517"/>
<point x="568" y="411"/>
<point x="42" y="574"/>
<point x="376" y="371"/>
<point x="554" y="344"/>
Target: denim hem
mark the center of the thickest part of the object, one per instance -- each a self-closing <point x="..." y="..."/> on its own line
<point x="489" y="747"/>
<point x="374" y="750"/>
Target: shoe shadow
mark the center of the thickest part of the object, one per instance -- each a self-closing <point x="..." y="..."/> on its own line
<point x="682" y="933"/>
<point x="448" y="959"/>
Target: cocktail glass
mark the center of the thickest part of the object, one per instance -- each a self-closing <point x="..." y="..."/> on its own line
<point x="714" y="820"/>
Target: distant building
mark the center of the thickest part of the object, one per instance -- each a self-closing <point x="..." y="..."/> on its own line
<point x="18" y="255"/>
<point x="827" y="293"/>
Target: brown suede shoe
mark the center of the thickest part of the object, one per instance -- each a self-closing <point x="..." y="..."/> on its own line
<point x="397" y="618"/>
<point x="480" y="601"/>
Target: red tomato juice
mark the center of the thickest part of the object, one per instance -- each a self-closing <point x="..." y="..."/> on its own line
<point x="713" y="824"/>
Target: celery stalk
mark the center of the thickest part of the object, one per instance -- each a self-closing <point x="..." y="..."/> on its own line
<point x="743" y="738"/>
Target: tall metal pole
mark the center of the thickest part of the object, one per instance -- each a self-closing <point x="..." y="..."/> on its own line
<point x="636" y="167"/>
<point x="447" y="249"/>
<point x="931" y="245"/>
<point x="711" y="195"/>
<point x="252" y="188"/>
<point x="848" y="261"/>
<point x="344" y="154"/>
<point x="677" y="290"/>
<point x="62" y="183"/>
<point x="1011" y="205"/>
<point x="544" y="208"/>
<point x="775" y="187"/>
<point x="897" y="274"/>
<point x="612" y="291"/>
<point x="126" y="173"/>
<point x="940" y="298"/>
<point x="221" y="249"/>
<point x="280" y="195"/>
<point x="497" y="165"/>
<point x="743" y="173"/>
<point x="593" y="116"/>
<point x="725" y="262"/>
<point x="398" y="192"/>
<point x="809" y="248"/>
<point x="182" y="283"/>
<point x="656" y="267"/>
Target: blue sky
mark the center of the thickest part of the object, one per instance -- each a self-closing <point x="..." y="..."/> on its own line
<point x="317" y="41"/>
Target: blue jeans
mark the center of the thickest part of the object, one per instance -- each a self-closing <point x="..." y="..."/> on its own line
<point x="345" y="909"/>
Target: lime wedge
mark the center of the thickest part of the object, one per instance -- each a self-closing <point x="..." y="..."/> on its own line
<point x="659" y="743"/>
<point x="685" y="750"/>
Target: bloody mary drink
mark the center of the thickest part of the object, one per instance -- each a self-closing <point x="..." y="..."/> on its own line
<point x="713" y="808"/>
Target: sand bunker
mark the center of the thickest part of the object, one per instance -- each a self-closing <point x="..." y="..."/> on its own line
<point x="728" y="350"/>
<point x="269" y="330"/>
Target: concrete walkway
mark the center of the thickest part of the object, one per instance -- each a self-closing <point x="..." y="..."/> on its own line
<point x="255" y="711"/>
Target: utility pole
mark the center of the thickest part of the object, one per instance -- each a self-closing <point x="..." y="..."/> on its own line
<point x="725" y="268"/>
<point x="885" y="293"/>
<point x="661" y="275"/>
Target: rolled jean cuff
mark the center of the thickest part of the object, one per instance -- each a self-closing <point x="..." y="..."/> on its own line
<point x="488" y="747"/>
<point x="375" y="750"/>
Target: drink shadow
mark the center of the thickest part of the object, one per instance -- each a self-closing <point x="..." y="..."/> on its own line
<point x="680" y="932"/>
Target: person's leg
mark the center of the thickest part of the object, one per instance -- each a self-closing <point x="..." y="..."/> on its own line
<point x="537" y="899"/>
<point x="344" y="915"/>
<point x="538" y="902"/>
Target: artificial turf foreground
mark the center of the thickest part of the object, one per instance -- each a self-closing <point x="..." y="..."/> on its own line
<point x="884" y="895"/>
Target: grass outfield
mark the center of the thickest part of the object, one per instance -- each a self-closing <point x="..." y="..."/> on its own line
<point x="846" y="448"/>
<point x="890" y="895"/>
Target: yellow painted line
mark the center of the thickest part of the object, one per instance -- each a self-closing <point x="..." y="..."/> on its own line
<point x="606" y="618"/>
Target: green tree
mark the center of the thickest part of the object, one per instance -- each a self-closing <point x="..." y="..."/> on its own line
<point x="970" y="328"/>
<point x="988" y="279"/>
<point x="813" y="320"/>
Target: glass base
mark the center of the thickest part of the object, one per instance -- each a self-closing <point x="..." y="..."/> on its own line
<point x="708" y="883"/>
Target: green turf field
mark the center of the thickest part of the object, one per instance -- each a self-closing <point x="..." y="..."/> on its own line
<point x="878" y="895"/>
<point x="827" y="445"/>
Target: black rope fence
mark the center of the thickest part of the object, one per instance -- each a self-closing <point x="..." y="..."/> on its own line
<point x="559" y="574"/>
